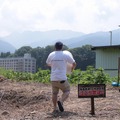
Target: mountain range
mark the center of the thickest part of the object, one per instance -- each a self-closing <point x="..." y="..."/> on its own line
<point x="71" y="39"/>
<point x="6" y="47"/>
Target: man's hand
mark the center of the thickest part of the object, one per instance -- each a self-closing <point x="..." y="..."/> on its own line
<point x="73" y="66"/>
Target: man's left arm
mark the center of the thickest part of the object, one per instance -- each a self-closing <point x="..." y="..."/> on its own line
<point x="73" y="66"/>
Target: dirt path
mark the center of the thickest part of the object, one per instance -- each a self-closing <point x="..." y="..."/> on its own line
<point x="32" y="101"/>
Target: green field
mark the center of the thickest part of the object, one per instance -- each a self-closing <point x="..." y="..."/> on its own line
<point x="90" y="76"/>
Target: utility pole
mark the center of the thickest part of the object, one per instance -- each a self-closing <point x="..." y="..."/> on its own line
<point x="110" y="38"/>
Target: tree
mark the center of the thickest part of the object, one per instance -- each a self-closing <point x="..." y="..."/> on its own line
<point x="38" y="53"/>
<point x="83" y="56"/>
<point x="21" y="51"/>
<point x="4" y="55"/>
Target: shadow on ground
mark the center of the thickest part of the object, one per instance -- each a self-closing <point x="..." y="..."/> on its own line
<point x="64" y="114"/>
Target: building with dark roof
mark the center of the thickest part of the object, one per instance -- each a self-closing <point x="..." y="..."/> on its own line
<point x="107" y="57"/>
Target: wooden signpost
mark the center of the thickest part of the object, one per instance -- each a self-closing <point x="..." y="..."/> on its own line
<point x="91" y="91"/>
<point x="118" y="71"/>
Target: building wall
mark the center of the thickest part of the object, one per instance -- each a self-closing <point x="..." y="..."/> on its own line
<point x="23" y="64"/>
<point x="107" y="58"/>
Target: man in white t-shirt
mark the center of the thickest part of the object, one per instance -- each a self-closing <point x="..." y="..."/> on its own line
<point x="58" y="60"/>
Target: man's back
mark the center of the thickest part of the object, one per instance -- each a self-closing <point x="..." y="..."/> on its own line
<point x="58" y="62"/>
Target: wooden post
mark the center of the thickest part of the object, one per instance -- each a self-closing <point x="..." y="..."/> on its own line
<point x="118" y="71"/>
<point x="92" y="106"/>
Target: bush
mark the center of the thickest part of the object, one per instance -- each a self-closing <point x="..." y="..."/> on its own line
<point x="90" y="76"/>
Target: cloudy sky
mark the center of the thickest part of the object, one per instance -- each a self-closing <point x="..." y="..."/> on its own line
<point x="85" y="16"/>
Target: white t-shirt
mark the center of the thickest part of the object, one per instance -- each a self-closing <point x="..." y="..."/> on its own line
<point x="58" y="62"/>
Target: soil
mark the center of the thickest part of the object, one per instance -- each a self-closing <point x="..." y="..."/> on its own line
<point x="32" y="101"/>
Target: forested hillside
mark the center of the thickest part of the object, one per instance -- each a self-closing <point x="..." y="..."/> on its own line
<point x="83" y="55"/>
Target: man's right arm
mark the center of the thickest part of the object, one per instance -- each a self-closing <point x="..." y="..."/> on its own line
<point x="48" y="61"/>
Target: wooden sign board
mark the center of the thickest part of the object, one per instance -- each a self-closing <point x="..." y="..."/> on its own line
<point x="91" y="90"/>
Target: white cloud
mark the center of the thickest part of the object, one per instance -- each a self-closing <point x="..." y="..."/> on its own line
<point x="79" y="15"/>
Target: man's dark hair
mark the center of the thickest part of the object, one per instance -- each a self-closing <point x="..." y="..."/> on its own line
<point x="58" y="45"/>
